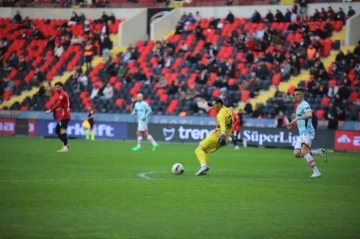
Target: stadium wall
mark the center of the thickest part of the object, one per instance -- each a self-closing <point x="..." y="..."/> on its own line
<point x="65" y="13"/>
<point x="164" y="25"/>
<point x="247" y="11"/>
<point x="133" y="29"/>
<point x="352" y="30"/>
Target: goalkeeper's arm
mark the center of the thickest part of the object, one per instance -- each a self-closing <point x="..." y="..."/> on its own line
<point x="221" y="120"/>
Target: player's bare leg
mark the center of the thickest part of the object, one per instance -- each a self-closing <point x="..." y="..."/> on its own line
<point x="203" y="159"/>
<point x="139" y="140"/>
<point x="320" y="152"/>
<point x="305" y="152"/>
<point x="151" y="140"/>
<point x="64" y="139"/>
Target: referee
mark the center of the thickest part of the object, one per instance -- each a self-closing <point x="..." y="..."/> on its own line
<point x="91" y="117"/>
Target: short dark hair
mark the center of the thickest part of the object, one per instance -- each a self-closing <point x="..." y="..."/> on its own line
<point x="216" y="100"/>
<point x="299" y="89"/>
<point x="219" y="100"/>
<point x="59" y="84"/>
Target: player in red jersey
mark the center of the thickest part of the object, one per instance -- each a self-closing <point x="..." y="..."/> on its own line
<point x="62" y="112"/>
<point x="235" y="129"/>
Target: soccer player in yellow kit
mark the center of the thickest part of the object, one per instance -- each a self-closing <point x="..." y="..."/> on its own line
<point x="216" y="140"/>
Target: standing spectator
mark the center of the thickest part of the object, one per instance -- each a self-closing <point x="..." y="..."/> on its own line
<point x="269" y="17"/>
<point x="303" y="9"/>
<point x="58" y="51"/>
<point x="256" y="18"/>
<point x="106" y="46"/>
<point x="279" y="17"/>
<point x="354" y="112"/>
<point x="17" y="18"/>
<point x="88" y="53"/>
<point x="340" y="15"/>
<point x="105" y="29"/>
<point x="351" y="12"/>
<point x="230" y="17"/>
<point x="82" y="18"/>
<point x="197" y="17"/>
<point x="332" y="116"/>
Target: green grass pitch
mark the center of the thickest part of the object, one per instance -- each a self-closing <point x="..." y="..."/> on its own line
<point x="95" y="191"/>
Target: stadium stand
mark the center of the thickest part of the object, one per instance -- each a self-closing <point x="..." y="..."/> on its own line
<point x="204" y="58"/>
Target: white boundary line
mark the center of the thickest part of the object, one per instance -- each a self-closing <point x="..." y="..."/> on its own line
<point x="146" y="176"/>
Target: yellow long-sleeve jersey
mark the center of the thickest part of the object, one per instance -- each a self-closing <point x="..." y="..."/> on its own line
<point x="224" y="122"/>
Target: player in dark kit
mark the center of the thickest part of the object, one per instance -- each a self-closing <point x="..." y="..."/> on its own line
<point x="91" y="117"/>
<point x="62" y="112"/>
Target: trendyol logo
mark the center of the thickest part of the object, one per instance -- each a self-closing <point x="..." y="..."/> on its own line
<point x="77" y="130"/>
<point x="168" y="133"/>
<point x="186" y="133"/>
<point x="344" y="139"/>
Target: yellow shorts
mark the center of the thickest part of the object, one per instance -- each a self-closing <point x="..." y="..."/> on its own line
<point x="210" y="144"/>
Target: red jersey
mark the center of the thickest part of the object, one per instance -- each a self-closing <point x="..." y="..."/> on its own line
<point x="62" y="106"/>
<point x="236" y="124"/>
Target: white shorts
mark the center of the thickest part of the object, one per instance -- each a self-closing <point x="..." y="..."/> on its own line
<point x="142" y="127"/>
<point x="305" y="138"/>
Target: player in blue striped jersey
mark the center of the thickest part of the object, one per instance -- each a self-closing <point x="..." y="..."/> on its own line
<point x="143" y="111"/>
<point x="306" y="133"/>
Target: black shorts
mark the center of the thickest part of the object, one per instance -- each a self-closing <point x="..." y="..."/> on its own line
<point x="91" y="122"/>
<point x="63" y="124"/>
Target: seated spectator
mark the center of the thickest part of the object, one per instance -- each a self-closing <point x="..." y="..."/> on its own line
<point x="162" y="82"/>
<point x="74" y="19"/>
<point x="108" y="92"/>
<point x="285" y="70"/>
<point x="351" y="12"/>
<point x="13" y="60"/>
<point x="332" y="91"/>
<point x="323" y="14"/>
<point x="317" y="16"/>
<point x="38" y="78"/>
<point x="257" y="112"/>
<point x="183" y="47"/>
<point x="22" y="64"/>
<point x="58" y="51"/>
<point x="83" y="79"/>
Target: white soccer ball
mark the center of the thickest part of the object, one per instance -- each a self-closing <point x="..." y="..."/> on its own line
<point x="177" y="169"/>
<point x="188" y="1"/>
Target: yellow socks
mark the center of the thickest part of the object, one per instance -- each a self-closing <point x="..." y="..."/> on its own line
<point x="201" y="155"/>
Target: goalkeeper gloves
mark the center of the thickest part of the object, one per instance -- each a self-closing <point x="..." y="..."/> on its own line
<point x="222" y="140"/>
